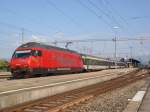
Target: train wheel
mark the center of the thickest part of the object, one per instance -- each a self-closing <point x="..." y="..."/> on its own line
<point x="27" y="76"/>
<point x="16" y="76"/>
<point x="43" y="75"/>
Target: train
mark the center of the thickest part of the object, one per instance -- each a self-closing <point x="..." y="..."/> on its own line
<point x="38" y="59"/>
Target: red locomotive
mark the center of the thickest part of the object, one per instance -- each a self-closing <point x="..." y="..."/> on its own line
<point x="36" y="59"/>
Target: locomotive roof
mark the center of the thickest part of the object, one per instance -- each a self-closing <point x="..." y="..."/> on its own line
<point x="42" y="45"/>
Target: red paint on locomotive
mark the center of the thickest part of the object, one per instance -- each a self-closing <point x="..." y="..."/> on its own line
<point x="35" y="58"/>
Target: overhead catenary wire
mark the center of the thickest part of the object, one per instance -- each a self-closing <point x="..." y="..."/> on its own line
<point x="138" y="18"/>
<point x="111" y="18"/>
<point x="94" y="13"/>
<point x="22" y="33"/>
<point x="31" y="19"/>
<point x="144" y="38"/>
<point x="111" y="8"/>
<point x="104" y="40"/>
<point x="72" y="20"/>
<point x="20" y="28"/>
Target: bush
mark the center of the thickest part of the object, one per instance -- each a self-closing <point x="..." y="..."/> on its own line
<point x="4" y="65"/>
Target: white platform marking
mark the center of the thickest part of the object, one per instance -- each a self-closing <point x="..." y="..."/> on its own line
<point x="138" y="96"/>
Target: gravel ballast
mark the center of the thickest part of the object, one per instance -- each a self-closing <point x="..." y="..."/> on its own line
<point x="113" y="101"/>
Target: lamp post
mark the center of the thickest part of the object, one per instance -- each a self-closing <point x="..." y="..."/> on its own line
<point x="131" y="51"/>
<point x="131" y="54"/>
<point x="22" y="35"/>
<point x="115" y="42"/>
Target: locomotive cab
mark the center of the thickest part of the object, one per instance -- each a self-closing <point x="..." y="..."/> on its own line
<point x="24" y="61"/>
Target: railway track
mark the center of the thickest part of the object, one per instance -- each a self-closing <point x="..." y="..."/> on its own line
<point x="61" y="102"/>
<point x="5" y="76"/>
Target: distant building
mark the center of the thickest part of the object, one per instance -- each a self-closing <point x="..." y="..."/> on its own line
<point x="122" y="60"/>
<point x="131" y="63"/>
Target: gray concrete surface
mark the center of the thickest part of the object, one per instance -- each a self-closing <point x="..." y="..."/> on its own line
<point x="5" y="73"/>
<point x="137" y="104"/>
<point x="145" y="106"/>
<point x="20" y="91"/>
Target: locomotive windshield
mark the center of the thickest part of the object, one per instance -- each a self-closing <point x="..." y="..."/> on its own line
<point x="22" y="53"/>
<point x="26" y="53"/>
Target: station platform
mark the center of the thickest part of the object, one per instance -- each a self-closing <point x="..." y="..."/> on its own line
<point x="145" y="105"/>
<point x="40" y="81"/>
<point x="13" y="92"/>
<point x="141" y="100"/>
<point x="5" y="73"/>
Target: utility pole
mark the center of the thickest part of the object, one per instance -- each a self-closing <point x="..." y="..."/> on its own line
<point x="115" y="54"/>
<point x="22" y="35"/>
<point x="131" y="52"/>
<point x="131" y="55"/>
<point x="115" y="50"/>
<point x="115" y="41"/>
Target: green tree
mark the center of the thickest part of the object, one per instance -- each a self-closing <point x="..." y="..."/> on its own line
<point x="3" y="65"/>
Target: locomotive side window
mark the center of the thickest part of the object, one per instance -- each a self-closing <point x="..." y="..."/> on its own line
<point x="36" y="53"/>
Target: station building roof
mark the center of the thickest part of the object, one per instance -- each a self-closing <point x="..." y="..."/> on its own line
<point x="131" y="60"/>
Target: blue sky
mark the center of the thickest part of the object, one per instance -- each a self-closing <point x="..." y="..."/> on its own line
<point x="49" y="20"/>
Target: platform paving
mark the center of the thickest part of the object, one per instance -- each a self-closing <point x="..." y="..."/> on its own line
<point x="5" y="74"/>
<point x="15" y="92"/>
<point x="141" y="101"/>
<point x="32" y="82"/>
<point x="145" y="106"/>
